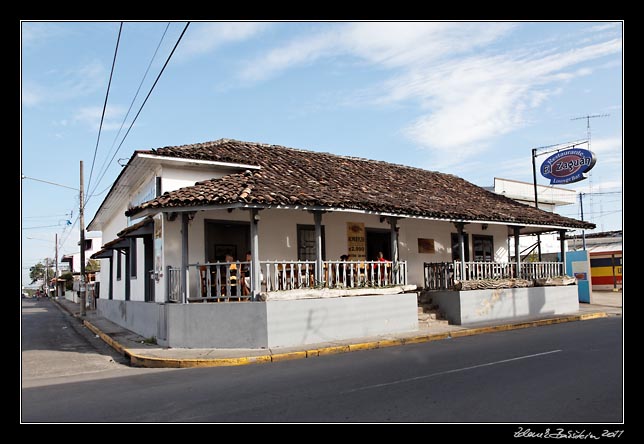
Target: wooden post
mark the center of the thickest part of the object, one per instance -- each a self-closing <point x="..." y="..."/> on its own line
<point x="394" y="239"/>
<point x="319" y="269"/>
<point x="184" y="257"/>
<point x="461" y="247"/>
<point x="562" y="247"/>
<point x="111" y="283"/>
<point x="517" y="251"/>
<point x="255" y="278"/>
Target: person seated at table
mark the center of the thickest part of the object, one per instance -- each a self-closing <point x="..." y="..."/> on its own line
<point x="245" y="270"/>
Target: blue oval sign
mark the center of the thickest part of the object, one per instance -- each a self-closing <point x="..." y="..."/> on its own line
<point x="568" y="166"/>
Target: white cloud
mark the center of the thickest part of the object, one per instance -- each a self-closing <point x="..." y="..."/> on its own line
<point x="469" y="92"/>
<point x="34" y="33"/>
<point x="392" y="45"/>
<point x="206" y="37"/>
<point x="91" y="116"/>
<point x="71" y="84"/>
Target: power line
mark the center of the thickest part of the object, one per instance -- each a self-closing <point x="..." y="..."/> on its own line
<point x="107" y="94"/>
<point x="147" y="97"/>
<point x="42" y="226"/>
<point x="128" y="113"/>
<point x="50" y="183"/>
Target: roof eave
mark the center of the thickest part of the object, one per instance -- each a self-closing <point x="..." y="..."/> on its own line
<point x="240" y="205"/>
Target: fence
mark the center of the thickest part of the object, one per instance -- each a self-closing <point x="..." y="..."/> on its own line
<point x="441" y="275"/>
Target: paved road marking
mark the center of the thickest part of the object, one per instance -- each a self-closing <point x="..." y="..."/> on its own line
<point x="416" y="378"/>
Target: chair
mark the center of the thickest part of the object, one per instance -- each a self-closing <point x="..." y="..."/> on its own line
<point x="230" y="277"/>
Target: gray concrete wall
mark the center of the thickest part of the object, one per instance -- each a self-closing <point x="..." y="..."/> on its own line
<point x="220" y="325"/>
<point x="473" y="306"/>
<point x="309" y="321"/>
<point x="142" y="318"/>
<point x="264" y="324"/>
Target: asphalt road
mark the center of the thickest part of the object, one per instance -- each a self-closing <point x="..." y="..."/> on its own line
<point x="561" y="373"/>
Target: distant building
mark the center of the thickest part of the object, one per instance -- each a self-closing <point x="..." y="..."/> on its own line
<point x="73" y="262"/>
<point x="605" y="251"/>
<point x="549" y="198"/>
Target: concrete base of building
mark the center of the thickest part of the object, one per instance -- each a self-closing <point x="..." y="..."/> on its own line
<point x="267" y="324"/>
<point x="476" y="306"/>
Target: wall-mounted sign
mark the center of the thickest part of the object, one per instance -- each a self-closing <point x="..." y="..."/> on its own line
<point x="568" y="166"/>
<point x="356" y="241"/>
<point x="158" y="246"/>
<point x="426" y="245"/>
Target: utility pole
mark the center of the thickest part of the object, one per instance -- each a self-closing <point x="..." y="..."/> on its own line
<point x="583" y="232"/>
<point x="56" y="265"/>
<point x="46" y="277"/>
<point x="536" y="198"/>
<point x="82" y="243"/>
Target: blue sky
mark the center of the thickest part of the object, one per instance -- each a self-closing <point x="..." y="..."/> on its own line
<point x="466" y="98"/>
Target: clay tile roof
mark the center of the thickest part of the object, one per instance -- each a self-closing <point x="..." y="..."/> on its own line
<point x="136" y="226"/>
<point x="289" y="176"/>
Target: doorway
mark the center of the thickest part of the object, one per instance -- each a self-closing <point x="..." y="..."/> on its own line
<point x="226" y="238"/>
<point x="378" y="240"/>
<point x="148" y="268"/>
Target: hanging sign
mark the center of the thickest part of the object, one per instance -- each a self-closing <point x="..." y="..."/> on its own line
<point x="568" y="166"/>
<point x="356" y="242"/>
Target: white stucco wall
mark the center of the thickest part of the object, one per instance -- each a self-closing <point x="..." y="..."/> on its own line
<point x="173" y="178"/>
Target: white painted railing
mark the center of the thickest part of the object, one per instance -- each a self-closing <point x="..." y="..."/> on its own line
<point x="441" y="275"/>
<point x="287" y="275"/>
<point x="226" y="281"/>
<point x="351" y="274"/>
<point x="174" y="284"/>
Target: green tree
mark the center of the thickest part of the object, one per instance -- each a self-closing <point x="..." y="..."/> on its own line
<point x="39" y="271"/>
<point x="92" y="266"/>
<point x="69" y="280"/>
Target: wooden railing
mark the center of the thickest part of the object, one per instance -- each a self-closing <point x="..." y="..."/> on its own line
<point x="441" y="275"/>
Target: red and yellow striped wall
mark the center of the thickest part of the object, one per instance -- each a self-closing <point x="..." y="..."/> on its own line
<point x="602" y="271"/>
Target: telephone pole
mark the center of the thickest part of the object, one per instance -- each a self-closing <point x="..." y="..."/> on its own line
<point x="82" y="243"/>
<point x="56" y="265"/>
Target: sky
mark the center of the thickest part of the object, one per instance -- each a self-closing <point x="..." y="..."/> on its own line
<point x="466" y="98"/>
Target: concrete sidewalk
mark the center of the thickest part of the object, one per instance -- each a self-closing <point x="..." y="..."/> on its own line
<point x="142" y="353"/>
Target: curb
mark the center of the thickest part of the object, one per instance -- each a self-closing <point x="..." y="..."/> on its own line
<point x="138" y="360"/>
<point x="61" y="306"/>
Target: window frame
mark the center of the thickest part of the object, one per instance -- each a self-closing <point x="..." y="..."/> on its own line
<point x="486" y="238"/>
<point x="309" y="227"/>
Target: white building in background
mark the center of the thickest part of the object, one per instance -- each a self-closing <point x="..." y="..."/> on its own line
<point x="549" y="198"/>
<point x="92" y="245"/>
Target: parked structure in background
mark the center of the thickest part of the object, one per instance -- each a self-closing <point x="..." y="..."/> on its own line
<point x="73" y="261"/>
<point x="550" y="198"/>
<point x="605" y="251"/>
<point x="92" y="245"/>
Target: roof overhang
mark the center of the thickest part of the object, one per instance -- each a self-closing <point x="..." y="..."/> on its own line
<point x="137" y="170"/>
<point x="140" y="229"/>
<point x="105" y="253"/>
<point x="524" y="228"/>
